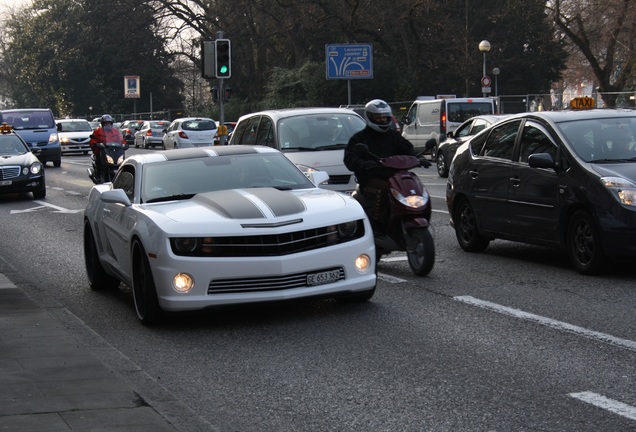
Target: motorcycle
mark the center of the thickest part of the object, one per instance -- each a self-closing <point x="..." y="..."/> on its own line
<point x="408" y="226"/>
<point x="112" y="155"/>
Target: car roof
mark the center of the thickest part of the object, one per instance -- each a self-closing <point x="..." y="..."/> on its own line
<point x="291" y="112"/>
<point x="71" y="120"/>
<point x="192" y="118"/>
<point x="571" y="115"/>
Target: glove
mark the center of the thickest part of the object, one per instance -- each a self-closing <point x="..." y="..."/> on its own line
<point x="368" y="165"/>
<point x="425" y="163"/>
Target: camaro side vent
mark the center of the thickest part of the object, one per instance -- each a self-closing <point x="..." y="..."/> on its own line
<point x="298" y="280"/>
<point x="9" y="172"/>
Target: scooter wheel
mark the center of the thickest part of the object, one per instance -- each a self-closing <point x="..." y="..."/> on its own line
<point x="420" y="251"/>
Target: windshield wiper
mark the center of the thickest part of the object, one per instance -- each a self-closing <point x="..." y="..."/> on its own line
<point x="176" y="197"/>
<point x="331" y="147"/>
<point x="613" y="160"/>
<point x="299" y="148"/>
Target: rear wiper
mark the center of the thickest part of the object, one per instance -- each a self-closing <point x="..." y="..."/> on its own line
<point x="176" y="197"/>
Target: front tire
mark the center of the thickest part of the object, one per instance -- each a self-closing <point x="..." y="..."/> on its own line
<point x="584" y="244"/>
<point x="420" y="251"/>
<point x="466" y="230"/>
<point x="40" y="192"/>
<point x="98" y="279"/>
<point x="144" y="291"/>
<point x="442" y="165"/>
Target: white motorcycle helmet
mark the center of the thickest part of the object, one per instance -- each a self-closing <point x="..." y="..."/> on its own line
<point x="378" y="115"/>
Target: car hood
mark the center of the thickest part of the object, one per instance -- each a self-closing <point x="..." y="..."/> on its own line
<point x="25" y="159"/>
<point x="626" y="170"/>
<point x="325" y="160"/>
<point x="74" y="135"/>
<point x="237" y="209"/>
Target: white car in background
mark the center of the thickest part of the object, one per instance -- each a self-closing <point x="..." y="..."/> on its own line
<point x="229" y="225"/>
<point x="190" y="132"/>
<point x="74" y="135"/>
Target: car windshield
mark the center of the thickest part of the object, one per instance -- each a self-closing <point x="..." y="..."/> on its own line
<point x="198" y="125"/>
<point x="184" y="178"/>
<point x="606" y="140"/>
<point x="28" y="119"/>
<point x="11" y="145"/>
<point x="318" y="131"/>
<point x="75" y="126"/>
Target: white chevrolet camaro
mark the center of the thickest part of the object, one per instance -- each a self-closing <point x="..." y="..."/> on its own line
<point x="195" y="228"/>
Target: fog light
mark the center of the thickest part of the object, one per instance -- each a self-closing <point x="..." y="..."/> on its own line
<point x="363" y="262"/>
<point x="182" y="283"/>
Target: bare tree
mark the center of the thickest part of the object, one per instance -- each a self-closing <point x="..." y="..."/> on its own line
<point x="605" y="34"/>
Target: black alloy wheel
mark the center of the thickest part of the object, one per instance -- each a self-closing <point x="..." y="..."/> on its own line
<point x="466" y="230"/>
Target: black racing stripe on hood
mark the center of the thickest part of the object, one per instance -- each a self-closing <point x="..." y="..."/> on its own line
<point x="229" y="203"/>
<point x="279" y="202"/>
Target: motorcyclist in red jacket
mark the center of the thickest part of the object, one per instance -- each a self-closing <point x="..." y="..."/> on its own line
<point x="106" y="133"/>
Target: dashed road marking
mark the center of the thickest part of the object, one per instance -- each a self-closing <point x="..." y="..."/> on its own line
<point x="608" y="404"/>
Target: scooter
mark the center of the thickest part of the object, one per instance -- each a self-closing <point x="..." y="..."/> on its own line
<point x="408" y="227"/>
<point x="112" y="154"/>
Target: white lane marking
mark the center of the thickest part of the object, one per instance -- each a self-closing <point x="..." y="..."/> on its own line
<point x="559" y="325"/>
<point x="45" y="204"/>
<point x="396" y="258"/>
<point x="608" y="404"/>
<point x="390" y="279"/>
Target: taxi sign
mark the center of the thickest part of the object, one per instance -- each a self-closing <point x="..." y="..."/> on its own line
<point x="582" y="103"/>
<point x="5" y="128"/>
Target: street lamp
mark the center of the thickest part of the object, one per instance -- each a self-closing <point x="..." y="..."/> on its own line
<point x="484" y="47"/>
<point x="495" y="72"/>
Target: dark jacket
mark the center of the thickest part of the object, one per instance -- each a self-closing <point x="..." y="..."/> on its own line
<point x="381" y="144"/>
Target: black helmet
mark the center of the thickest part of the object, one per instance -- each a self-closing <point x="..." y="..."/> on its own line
<point x="107" y="119"/>
<point x="380" y="109"/>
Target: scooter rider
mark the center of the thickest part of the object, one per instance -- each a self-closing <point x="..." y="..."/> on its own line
<point x="106" y="133"/>
<point x="382" y="141"/>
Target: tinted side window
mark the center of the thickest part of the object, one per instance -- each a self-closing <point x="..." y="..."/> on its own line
<point x="535" y="140"/>
<point x="265" y="134"/>
<point x="501" y="141"/>
<point x="126" y="180"/>
<point x="237" y="135"/>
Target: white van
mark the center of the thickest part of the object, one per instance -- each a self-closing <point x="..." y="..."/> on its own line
<point x="434" y="118"/>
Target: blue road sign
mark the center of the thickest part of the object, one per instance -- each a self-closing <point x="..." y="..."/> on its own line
<point x="350" y="61"/>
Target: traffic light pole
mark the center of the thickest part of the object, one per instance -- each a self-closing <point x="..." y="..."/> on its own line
<point x="223" y="137"/>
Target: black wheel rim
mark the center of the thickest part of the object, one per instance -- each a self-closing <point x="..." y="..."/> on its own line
<point x="467" y="223"/>
<point x="441" y="164"/>
<point x="583" y="242"/>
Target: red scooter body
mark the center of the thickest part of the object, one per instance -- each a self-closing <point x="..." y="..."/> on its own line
<point x="408" y="224"/>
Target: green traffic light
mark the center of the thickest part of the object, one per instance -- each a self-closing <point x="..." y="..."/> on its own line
<point x="223" y="69"/>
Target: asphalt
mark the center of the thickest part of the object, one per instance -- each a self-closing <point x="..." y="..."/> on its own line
<point x="56" y="374"/>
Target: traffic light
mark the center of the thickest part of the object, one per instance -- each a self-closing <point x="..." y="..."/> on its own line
<point x="223" y="58"/>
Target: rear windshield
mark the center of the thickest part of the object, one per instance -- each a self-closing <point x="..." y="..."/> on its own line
<point x="459" y="112"/>
<point x="29" y="119"/>
<point x="158" y="124"/>
<point x="196" y="125"/>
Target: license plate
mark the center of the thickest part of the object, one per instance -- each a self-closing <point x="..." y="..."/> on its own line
<point x="323" y="277"/>
<point x="5" y="183"/>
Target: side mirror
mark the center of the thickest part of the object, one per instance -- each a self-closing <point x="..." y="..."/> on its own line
<point x="117" y="196"/>
<point x="59" y="127"/>
<point x="406" y="120"/>
<point x="541" y="160"/>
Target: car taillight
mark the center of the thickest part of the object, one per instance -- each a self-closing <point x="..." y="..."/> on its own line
<point x="444" y="124"/>
<point x="183" y="135"/>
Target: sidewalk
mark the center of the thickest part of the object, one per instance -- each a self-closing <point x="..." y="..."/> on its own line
<point x="58" y="375"/>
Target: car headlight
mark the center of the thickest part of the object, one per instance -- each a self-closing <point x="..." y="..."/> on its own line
<point x="182" y="282"/>
<point x="53" y="138"/>
<point x="348" y="229"/>
<point x="185" y="245"/>
<point x="413" y="201"/>
<point x="623" y="190"/>
<point x="36" y="168"/>
<point x="65" y="140"/>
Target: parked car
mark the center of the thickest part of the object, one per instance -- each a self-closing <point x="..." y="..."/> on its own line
<point x="128" y="129"/>
<point x="150" y="134"/>
<point x="563" y="179"/>
<point x="230" y="128"/>
<point x="192" y="229"/>
<point x="190" y="132"/>
<point x="311" y="137"/>
<point x="36" y="126"/>
<point x="74" y="135"/>
<point x="20" y="169"/>
<point x="447" y="148"/>
<point x="433" y="118"/>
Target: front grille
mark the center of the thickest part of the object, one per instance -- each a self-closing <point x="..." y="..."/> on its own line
<point x="339" y="179"/>
<point x="268" y="245"/>
<point x="272" y="283"/>
<point x="9" y="172"/>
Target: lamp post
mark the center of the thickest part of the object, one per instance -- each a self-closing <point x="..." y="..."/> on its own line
<point x="495" y="72"/>
<point x="484" y="47"/>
